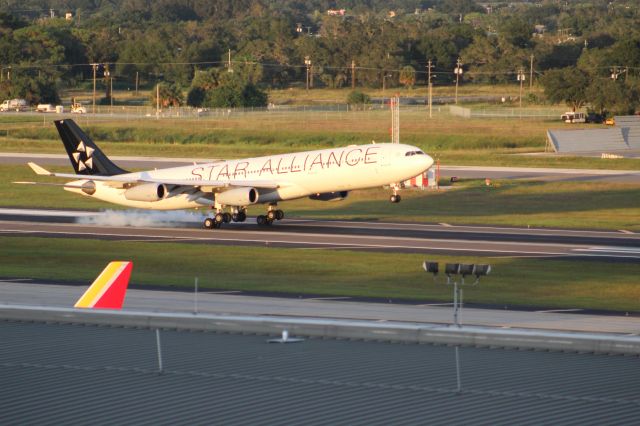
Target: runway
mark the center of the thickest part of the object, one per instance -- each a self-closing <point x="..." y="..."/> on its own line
<point x="311" y="234"/>
<point x="447" y="171"/>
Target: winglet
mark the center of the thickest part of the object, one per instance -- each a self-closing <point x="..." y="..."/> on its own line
<point x="109" y="289"/>
<point x="39" y="170"/>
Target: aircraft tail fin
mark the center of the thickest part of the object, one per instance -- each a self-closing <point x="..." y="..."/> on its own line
<point x="85" y="156"/>
<point x="109" y="289"/>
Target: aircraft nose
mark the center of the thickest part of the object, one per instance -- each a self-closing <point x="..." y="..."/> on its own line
<point x="427" y="161"/>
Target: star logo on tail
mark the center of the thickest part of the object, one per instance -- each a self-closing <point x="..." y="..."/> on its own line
<point x="85" y="161"/>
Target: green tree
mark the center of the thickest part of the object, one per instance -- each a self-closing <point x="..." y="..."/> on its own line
<point x="613" y="97"/>
<point x="170" y="95"/>
<point x="408" y="76"/>
<point x="357" y="99"/>
<point x="566" y="85"/>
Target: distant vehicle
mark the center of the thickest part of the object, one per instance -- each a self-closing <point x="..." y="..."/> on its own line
<point x="46" y="108"/>
<point x="77" y="108"/>
<point x="14" y="104"/>
<point x="574" y="117"/>
<point x="610" y="122"/>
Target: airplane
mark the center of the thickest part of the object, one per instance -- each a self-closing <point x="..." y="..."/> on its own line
<point x="233" y="185"/>
<point x="109" y="289"/>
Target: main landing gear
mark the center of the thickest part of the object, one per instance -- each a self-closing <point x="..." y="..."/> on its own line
<point x="272" y="214"/>
<point x="238" y="215"/>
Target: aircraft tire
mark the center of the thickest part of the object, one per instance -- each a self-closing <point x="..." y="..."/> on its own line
<point x="226" y="217"/>
<point x="209" y="223"/>
<point x="261" y="220"/>
<point x="279" y="214"/>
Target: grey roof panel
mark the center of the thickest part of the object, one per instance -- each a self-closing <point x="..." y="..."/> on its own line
<point x="72" y="374"/>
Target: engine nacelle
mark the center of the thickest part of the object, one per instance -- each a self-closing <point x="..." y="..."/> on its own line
<point x="330" y="196"/>
<point x="146" y="192"/>
<point x="238" y="197"/>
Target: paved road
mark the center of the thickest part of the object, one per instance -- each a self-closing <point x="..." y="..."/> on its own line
<point x="466" y="172"/>
<point x="317" y="234"/>
<point x="32" y="293"/>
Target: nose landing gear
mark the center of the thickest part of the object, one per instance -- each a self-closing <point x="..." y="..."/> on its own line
<point x="395" y="198"/>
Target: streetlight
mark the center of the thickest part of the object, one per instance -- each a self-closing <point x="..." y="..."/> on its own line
<point x="307" y="62"/>
<point x="458" y="72"/>
<point x="521" y="78"/>
<point x="452" y="271"/>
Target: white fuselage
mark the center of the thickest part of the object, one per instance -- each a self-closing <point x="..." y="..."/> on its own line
<point x="298" y="175"/>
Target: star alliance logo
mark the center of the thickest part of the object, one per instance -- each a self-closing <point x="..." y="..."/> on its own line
<point x="82" y="157"/>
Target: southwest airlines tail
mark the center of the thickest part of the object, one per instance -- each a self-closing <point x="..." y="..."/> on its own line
<point x="109" y="289"/>
<point x="85" y="156"/>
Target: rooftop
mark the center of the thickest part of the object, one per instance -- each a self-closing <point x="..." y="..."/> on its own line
<point x="81" y="374"/>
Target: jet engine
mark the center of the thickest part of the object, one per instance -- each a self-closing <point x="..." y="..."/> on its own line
<point x="146" y="192"/>
<point x="238" y="197"/>
<point x="330" y="196"/>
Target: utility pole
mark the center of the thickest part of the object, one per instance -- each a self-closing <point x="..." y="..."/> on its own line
<point x="458" y="71"/>
<point x="157" y="101"/>
<point x="137" y="80"/>
<point x="353" y="74"/>
<point x="111" y="94"/>
<point x="229" y="69"/>
<point x="429" y="66"/>
<point x="531" y="73"/>
<point x="521" y="78"/>
<point x="95" y="67"/>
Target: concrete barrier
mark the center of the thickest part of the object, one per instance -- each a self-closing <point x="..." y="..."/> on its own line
<point x="338" y="329"/>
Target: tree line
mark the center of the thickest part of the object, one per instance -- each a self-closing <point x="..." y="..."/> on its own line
<point x="186" y="43"/>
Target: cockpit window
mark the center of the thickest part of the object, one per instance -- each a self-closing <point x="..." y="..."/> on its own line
<point x="410" y="153"/>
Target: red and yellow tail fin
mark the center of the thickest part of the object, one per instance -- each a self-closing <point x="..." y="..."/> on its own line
<point x="109" y="289"/>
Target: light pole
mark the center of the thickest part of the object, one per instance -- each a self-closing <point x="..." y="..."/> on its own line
<point x="429" y="66"/>
<point x="452" y="271"/>
<point x="521" y="78"/>
<point x="463" y="270"/>
<point x="458" y="72"/>
<point x="307" y="62"/>
<point x="95" y="67"/>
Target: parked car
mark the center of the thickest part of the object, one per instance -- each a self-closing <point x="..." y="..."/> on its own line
<point x="610" y="122"/>
<point x="14" y="104"/>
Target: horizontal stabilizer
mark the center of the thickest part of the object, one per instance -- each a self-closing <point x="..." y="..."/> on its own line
<point x="39" y="170"/>
<point x="66" y="185"/>
<point x="109" y="289"/>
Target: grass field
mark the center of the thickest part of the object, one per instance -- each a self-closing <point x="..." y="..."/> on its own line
<point x="513" y="282"/>
<point x="513" y="203"/>
<point x="453" y="141"/>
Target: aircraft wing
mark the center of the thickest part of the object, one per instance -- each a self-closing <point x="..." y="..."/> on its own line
<point x="213" y="184"/>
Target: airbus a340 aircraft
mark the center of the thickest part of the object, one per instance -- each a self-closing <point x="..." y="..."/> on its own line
<point x="229" y="186"/>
